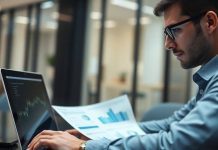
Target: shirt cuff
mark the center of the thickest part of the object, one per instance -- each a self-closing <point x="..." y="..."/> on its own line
<point x="97" y="144"/>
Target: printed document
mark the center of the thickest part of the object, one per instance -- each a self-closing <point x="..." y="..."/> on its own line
<point x="110" y="119"/>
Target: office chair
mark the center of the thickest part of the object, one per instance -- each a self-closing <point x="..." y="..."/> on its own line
<point x="4" y="109"/>
<point x="161" y="111"/>
<point x="3" y="103"/>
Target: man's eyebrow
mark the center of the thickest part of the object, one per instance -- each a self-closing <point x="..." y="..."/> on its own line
<point x="172" y="23"/>
<point x="181" y="18"/>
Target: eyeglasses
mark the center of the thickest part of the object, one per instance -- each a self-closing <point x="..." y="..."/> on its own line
<point x="173" y="30"/>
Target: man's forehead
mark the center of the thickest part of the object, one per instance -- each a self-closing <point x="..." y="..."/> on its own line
<point x="172" y="11"/>
<point x="173" y="15"/>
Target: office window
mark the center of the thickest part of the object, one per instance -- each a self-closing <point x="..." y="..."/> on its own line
<point x="118" y="49"/>
<point x="21" y="40"/>
<point x="4" y="25"/>
<point x="47" y="47"/>
<point x="118" y="53"/>
<point x="151" y="62"/>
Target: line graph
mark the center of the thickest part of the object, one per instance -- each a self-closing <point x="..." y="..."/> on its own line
<point x="30" y="105"/>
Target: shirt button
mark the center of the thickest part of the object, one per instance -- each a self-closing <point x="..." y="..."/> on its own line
<point x="201" y="91"/>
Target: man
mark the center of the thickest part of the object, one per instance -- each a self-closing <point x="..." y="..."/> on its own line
<point x="191" y="33"/>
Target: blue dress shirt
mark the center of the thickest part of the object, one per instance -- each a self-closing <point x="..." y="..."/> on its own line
<point x="194" y="126"/>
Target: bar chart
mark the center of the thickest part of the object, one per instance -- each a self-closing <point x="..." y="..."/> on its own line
<point x="113" y="117"/>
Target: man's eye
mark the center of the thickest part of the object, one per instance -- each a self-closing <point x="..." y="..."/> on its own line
<point x="176" y="30"/>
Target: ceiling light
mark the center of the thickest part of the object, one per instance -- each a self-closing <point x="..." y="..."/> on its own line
<point x="143" y="21"/>
<point x="108" y="24"/>
<point x="47" y="5"/>
<point x="133" y="6"/>
<point x="52" y="25"/>
<point x="21" y="20"/>
<point x="95" y="15"/>
<point x="148" y="10"/>
<point x="126" y="4"/>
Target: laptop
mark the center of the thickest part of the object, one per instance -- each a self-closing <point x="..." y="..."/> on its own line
<point x="29" y="104"/>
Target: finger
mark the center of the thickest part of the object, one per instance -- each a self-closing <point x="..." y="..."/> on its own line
<point x="77" y="134"/>
<point x="43" y="143"/>
<point x="73" y="131"/>
<point x="35" y="140"/>
<point x="44" y="132"/>
<point x="50" y="132"/>
<point x="47" y="133"/>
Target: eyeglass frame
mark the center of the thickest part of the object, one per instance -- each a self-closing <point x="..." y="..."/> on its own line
<point x="168" y="30"/>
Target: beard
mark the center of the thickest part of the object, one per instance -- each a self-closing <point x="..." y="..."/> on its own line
<point x="199" y="52"/>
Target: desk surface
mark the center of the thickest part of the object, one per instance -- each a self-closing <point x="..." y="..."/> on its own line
<point x="7" y="131"/>
<point x="9" y="147"/>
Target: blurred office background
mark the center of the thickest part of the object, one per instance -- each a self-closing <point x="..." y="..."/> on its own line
<point x="93" y="50"/>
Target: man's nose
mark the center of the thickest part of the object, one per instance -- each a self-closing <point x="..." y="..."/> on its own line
<point x="169" y="43"/>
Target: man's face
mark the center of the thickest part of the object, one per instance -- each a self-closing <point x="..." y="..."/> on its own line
<point x="190" y="46"/>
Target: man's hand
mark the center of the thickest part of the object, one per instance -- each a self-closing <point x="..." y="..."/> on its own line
<point x="58" y="140"/>
<point x="78" y="134"/>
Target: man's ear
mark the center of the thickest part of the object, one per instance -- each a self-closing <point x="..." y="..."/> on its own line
<point x="211" y="21"/>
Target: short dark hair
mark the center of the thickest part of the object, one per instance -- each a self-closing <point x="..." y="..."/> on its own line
<point x="189" y="7"/>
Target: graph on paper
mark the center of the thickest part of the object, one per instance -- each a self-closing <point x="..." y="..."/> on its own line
<point x="112" y="117"/>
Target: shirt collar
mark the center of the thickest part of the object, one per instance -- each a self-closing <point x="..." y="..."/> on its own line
<point x="207" y="70"/>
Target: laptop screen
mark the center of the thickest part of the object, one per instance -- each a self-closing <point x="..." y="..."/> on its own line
<point x="29" y="104"/>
